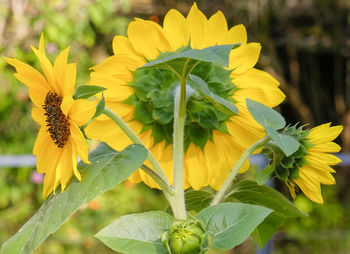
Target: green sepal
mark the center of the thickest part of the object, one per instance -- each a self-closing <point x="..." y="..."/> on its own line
<point x="287" y="162"/>
<point x="143" y="113"/>
<point x="199" y="136"/>
<point x="287" y="144"/>
<point x="264" y="175"/>
<point x="220" y="103"/>
<point x="203" y="114"/>
<point x="282" y="173"/>
<point x="163" y="115"/>
<point x="83" y="92"/>
<point x="100" y="107"/>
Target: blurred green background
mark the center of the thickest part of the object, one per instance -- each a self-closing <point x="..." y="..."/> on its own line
<point x="306" y="46"/>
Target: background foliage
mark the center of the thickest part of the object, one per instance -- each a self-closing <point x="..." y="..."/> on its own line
<point x="306" y="47"/>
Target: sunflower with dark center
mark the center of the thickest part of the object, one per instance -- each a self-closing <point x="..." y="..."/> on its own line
<point x="144" y="98"/>
<point x="60" y="140"/>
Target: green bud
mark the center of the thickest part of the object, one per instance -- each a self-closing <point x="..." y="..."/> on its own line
<point x="186" y="237"/>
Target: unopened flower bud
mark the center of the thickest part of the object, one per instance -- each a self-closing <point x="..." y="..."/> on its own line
<point x="186" y="237"/>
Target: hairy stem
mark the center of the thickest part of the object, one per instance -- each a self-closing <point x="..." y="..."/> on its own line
<point x="220" y="195"/>
<point x="161" y="178"/>
<point x="178" y="145"/>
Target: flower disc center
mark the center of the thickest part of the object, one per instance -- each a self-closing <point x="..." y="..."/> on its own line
<point x="56" y="121"/>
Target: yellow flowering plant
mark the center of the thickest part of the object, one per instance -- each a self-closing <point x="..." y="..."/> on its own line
<point x="179" y="107"/>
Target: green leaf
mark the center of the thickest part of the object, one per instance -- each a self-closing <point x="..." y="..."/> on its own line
<point x="263" y="233"/>
<point x="100" y="107"/>
<point x="221" y="103"/>
<point x="231" y="223"/>
<point x="108" y="168"/>
<point x="264" y="175"/>
<point x="251" y="193"/>
<point x="137" y="233"/>
<point x="216" y="54"/>
<point x="265" y="116"/>
<point x="199" y="136"/>
<point x="83" y="92"/>
<point x="288" y="144"/>
<point x="197" y="200"/>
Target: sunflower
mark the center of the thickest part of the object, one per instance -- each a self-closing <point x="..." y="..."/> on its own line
<point x="214" y="140"/>
<point x="315" y="169"/>
<point x="59" y="140"/>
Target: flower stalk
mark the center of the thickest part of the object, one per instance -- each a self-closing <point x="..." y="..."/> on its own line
<point x="220" y="195"/>
<point x="157" y="174"/>
<point x="178" y="144"/>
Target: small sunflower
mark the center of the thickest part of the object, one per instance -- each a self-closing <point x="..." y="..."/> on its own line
<point x="60" y="140"/>
<point x="214" y="140"/>
<point x="314" y="168"/>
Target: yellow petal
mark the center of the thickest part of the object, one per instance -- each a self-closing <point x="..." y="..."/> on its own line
<point x="165" y="157"/>
<point x="244" y="57"/>
<point x="75" y="163"/>
<point x="47" y="68"/>
<point x="41" y="142"/>
<point x="41" y="44"/>
<point x="244" y="131"/>
<point x="270" y="96"/>
<point x="217" y="29"/>
<point x="68" y="84"/>
<point x="82" y="111"/>
<point x="312" y="191"/>
<point x="79" y="142"/>
<point x="146" y="178"/>
<point x="135" y="177"/>
<point x="65" y="166"/>
<point x="49" y="182"/>
<point x="120" y="93"/>
<point x="38" y="115"/>
<point x="36" y="83"/>
<point x="122" y="46"/>
<point x="118" y="66"/>
<point x="47" y="156"/>
<point x="123" y="110"/>
<point x="217" y="161"/>
<point x="321" y="176"/>
<point x="146" y="39"/>
<point x="236" y="34"/>
<point x="117" y="89"/>
<point x="109" y="132"/>
<point x="255" y="78"/>
<point x="319" y="164"/>
<point x="195" y="167"/>
<point x="324" y="133"/>
<point x="60" y="67"/>
<point x="108" y="81"/>
<point x="329" y="147"/>
<point x="326" y="158"/>
<point x="198" y="28"/>
<point x="291" y="189"/>
<point x="176" y="29"/>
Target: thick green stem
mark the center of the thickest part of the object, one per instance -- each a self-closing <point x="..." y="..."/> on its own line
<point x="220" y="195"/>
<point x="161" y="178"/>
<point x="178" y="145"/>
